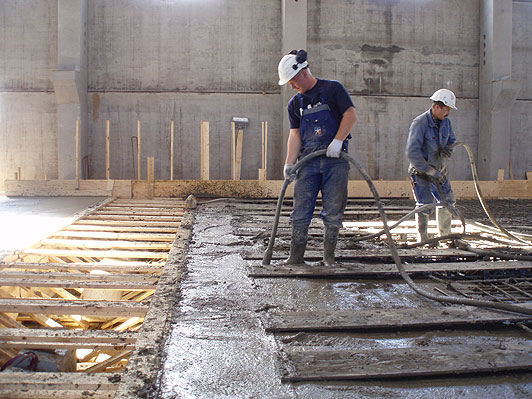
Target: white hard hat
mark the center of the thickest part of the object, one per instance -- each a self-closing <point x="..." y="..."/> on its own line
<point x="289" y="67"/>
<point x="446" y="96"/>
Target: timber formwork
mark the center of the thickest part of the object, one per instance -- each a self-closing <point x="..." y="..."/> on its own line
<point x="443" y="271"/>
<point x="83" y="295"/>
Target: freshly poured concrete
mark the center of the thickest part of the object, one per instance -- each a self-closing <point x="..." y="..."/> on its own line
<point x="26" y="220"/>
<point x="218" y="347"/>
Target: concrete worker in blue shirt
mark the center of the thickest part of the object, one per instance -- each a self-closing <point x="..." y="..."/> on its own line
<point x="321" y="117"/>
<point x="429" y="142"/>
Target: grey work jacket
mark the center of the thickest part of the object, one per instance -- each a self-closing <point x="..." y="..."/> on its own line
<point x="425" y="141"/>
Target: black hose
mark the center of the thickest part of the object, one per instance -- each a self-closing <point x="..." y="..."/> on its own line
<point x="391" y="244"/>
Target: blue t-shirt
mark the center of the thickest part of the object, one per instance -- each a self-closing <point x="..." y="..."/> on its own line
<point x="338" y="100"/>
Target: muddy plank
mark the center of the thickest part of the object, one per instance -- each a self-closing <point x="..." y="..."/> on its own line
<point x="386" y="319"/>
<point x="318" y="365"/>
<point x="380" y="255"/>
<point x="365" y="270"/>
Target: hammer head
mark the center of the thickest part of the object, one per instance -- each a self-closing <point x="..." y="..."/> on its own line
<point x="240" y="123"/>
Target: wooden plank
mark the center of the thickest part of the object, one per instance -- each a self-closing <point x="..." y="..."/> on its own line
<point x="64" y="335"/>
<point x="138" y="278"/>
<point x="110" y="244"/>
<point x="138" y="151"/>
<point x="310" y="365"/>
<point x="108" y="285"/>
<point x="109" y="362"/>
<point x="382" y="255"/>
<point x="205" y="150"/>
<point x="238" y="153"/>
<point x="130" y="267"/>
<point x="116" y="236"/>
<point x="365" y="270"/>
<point x="128" y="223"/>
<point x="80" y="226"/>
<point x="107" y="151"/>
<point x="141" y="212"/>
<point x="386" y="319"/>
<point x="95" y="253"/>
<point x="132" y="217"/>
<point x="77" y="307"/>
<point x="233" y="156"/>
<point x="58" y="381"/>
<point x="54" y="394"/>
<point x="172" y="150"/>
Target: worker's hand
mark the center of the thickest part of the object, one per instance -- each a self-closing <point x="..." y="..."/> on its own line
<point x="437" y="176"/>
<point x="446" y="151"/>
<point x="334" y="149"/>
<point x="289" y="171"/>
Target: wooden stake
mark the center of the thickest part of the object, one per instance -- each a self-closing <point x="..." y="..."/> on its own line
<point x="107" y="151"/>
<point x="205" y="150"/>
<point x="77" y="154"/>
<point x="238" y="150"/>
<point x="265" y="146"/>
<point x="233" y="164"/>
<point x="138" y="149"/>
<point x="151" y="169"/>
<point x="150" y="175"/>
<point x="172" y="150"/>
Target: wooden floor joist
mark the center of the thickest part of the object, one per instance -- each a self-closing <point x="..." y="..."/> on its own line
<point x="120" y="268"/>
<point x="118" y="250"/>
<point x="53" y="306"/>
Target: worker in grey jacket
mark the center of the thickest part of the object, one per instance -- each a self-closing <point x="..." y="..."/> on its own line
<point x="429" y="142"/>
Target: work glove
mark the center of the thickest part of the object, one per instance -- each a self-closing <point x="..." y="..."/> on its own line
<point x="334" y="149"/>
<point x="446" y="151"/>
<point x="437" y="176"/>
<point x="289" y="172"/>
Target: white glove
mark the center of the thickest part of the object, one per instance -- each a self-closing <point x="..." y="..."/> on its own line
<point x="334" y="149"/>
<point x="288" y="168"/>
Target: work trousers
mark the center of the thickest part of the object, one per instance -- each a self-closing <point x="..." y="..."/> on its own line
<point x="328" y="175"/>
<point x="425" y="192"/>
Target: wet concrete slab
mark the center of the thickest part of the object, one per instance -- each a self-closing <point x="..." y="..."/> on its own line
<point x="218" y="347"/>
<point x="26" y="220"/>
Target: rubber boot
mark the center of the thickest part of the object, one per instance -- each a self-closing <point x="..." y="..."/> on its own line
<point x="422" y="221"/>
<point x="330" y="238"/>
<point x="444" y="217"/>
<point x="297" y="246"/>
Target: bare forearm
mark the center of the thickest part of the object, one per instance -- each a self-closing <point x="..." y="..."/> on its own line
<point x="293" y="146"/>
<point x="346" y="124"/>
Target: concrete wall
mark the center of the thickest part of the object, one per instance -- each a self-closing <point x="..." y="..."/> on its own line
<point x="28" y="127"/>
<point x="189" y="61"/>
<point x="521" y="150"/>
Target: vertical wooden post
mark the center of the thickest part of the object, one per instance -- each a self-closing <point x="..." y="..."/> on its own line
<point x="172" y="150"/>
<point x="238" y="151"/>
<point x="265" y="146"/>
<point x="150" y="166"/>
<point x="205" y="150"/>
<point x="77" y="154"/>
<point x="233" y="165"/>
<point x="263" y="169"/>
<point x="107" y="151"/>
<point x="138" y="149"/>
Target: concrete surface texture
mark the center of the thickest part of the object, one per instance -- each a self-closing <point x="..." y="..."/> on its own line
<point x="218" y="347"/>
<point x="157" y="61"/>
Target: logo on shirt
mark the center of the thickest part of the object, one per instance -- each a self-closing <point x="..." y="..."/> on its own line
<point x="317" y="131"/>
